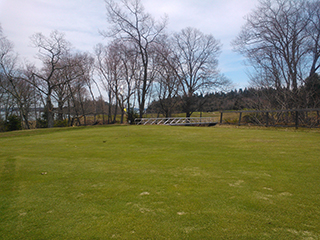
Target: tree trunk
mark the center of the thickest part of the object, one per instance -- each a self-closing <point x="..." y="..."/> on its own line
<point x="74" y="105"/>
<point x="122" y="115"/>
<point x="83" y="111"/>
<point x="109" y="110"/>
<point x="60" y="110"/>
<point x="115" y="113"/>
<point x="69" y="114"/>
<point x="25" y="119"/>
<point x="144" y="85"/>
<point x="49" y="112"/>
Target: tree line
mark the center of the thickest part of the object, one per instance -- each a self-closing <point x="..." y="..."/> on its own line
<point x="142" y="63"/>
<point x="236" y="99"/>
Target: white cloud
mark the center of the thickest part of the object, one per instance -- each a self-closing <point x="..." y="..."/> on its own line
<point x="81" y="20"/>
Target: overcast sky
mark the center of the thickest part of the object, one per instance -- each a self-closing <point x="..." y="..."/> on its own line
<point x="81" y="21"/>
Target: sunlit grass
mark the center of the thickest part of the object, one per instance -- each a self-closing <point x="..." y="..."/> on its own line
<point x="160" y="182"/>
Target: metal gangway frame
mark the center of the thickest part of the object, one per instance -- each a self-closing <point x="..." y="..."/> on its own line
<point x="177" y="121"/>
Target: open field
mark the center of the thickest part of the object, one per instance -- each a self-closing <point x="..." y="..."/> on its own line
<point x="160" y="182"/>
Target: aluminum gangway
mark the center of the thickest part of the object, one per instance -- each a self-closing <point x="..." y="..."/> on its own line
<point x="179" y="121"/>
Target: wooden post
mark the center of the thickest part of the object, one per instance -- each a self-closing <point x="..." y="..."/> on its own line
<point x="221" y="117"/>
<point x="318" y="119"/>
<point x="297" y="119"/>
<point x="267" y="119"/>
<point x="240" y="118"/>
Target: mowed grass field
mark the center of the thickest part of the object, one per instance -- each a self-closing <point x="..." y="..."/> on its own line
<point x="160" y="182"/>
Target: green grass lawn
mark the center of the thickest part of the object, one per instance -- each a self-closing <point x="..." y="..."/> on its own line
<point x="160" y="182"/>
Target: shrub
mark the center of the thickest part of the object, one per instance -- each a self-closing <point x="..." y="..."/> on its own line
<point x="42" y="122"/>
<point x="13" y="123"/>
<point x="132" y="115"/>
<point x="61" y="123"/>
<point x="231" y="120"/>
<point x="2" y="125"/>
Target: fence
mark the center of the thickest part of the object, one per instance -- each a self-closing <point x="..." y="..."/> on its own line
<point x="273" y="118"/>
<point x="277" y="118"/>
<point x="177" y="121"/>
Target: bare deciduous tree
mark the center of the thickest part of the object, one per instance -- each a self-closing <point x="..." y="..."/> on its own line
<point x="313" y="30"/>
<point x="12" y="80"/>
<point x="197" y="64"/>
<point x="167" y="84"/>
<point x="51" y="51"/>
<point x="74" y="76"/>
<point x="280" y="39"/>
<point x="131" y="23"/>
<point x="130" y="63"/>
<point x="109" y="69"/>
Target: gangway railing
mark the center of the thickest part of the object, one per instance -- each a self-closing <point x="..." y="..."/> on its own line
<point x="177" y="121"/>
